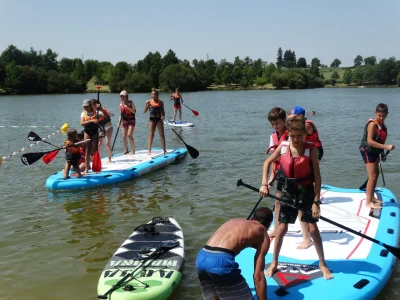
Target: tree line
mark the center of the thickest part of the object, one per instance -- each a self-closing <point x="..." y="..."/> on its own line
<point x="37" y="72"/>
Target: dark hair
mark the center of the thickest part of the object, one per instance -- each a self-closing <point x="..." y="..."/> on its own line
<point x="81" y="134"/>
<point x="276" y="113"/>
<point x="71" y="134"/>
<point x="297" y="122"/>
<point x="382" y="108"/>
<point x="264" y="216"/>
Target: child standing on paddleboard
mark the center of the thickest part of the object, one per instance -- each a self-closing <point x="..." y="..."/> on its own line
<point x="157" y="114"/>
<point x="72" y="153"/>
<point x="177" y="103"/>
<point x="277" y="118"/>
<point x="300" y="183"/>
<point x="127" y="116"/>
<point x="372" y="146"/>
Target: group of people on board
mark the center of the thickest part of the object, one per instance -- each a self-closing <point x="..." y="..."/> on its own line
<point x="294" y="167"/>
<point x="96" y="122"/>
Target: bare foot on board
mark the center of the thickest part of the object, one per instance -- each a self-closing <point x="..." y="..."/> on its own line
<point x="305" y="244"/>
<point x="272" y="269"/>
<point x="377" y="202"/>
<point x="372" y="205"/>
<point x="326" y="273"/>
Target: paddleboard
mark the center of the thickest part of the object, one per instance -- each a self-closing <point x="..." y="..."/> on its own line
<point x="360" y="268"/>
<point x="180" y="123"/>
<point x="123" y="168"/>
<point x="153" y="275"/>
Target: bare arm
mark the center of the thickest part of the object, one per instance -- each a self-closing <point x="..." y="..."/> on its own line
<point x="146" y="106"/>
<point x="372" y="131"/>
<point x="264" y="183"/>
<point x="309" y="129"/>
<point x="317" y="182"/>
<point x="162" y="110"/>
<point x="259" y="264"/>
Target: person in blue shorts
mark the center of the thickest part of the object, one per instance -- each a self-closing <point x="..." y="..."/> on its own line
<point x="219" y="274"/>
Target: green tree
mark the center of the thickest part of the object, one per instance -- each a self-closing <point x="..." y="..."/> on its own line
<point x="49" y="60"/>
<point x="302" y="63"/>
<point x="169" y="59"/>
<point x="358" y="75"/>
<point x="335" y="75"/>
<point x="279" y="59"/>
<point x="268" y="71"/>
<point x="347" y="76"/>
<point x="236" y="75"/>
<point x="13" y="54"/>
<point x="336" y="63"/>
<point x="370" y="61"/>
<point x="279" y="80"/>
<point x="315" y="64"/>
<point x="179" y="75"/>
<point x="261" y="81"/>
<point x="66" y="65"/>
<point x="398" y="79"/>
<point x="358" y="61"/>
<point x="386" y="71"/>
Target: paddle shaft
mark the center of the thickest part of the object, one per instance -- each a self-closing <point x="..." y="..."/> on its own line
<point x="395" y="251"/>
<point x="254" y="209"/>
<point x="192" y="151"/>
<point x="116" y="134"/>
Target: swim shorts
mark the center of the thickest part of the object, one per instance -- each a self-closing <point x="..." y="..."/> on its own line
<point x="369" y="157"/>
<point x="177" y="106"/>
<point x="220" y="275"/>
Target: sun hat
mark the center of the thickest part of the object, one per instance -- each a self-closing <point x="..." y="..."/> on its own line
<point x="298" y="110"/>
<point x="123" y="93"/>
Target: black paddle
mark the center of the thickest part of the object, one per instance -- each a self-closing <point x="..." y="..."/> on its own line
<point x="35" y="138"/>
<point x="394" y="250"/>
<point x="166" y="246"/>
<point x="32" y="157"/>
<point x="383" y="158"/>
<point x="116" y="134"/>
<point x="254" y="209"/>
<point x="192" y="151"/>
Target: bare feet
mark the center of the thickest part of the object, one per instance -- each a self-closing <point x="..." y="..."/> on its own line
<point x="372" y="205"/>
<point x="148" y="153"/>
<point x="272" y="269"/>
<point x="305" y="244"/>
<point x="133" y="153"/>
<point x="325" y="272"/>
<point x="109" y="161"/>
<point x="126" y="152"/>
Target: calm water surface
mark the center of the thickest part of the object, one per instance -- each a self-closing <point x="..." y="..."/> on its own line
<point x="55" y="245"/>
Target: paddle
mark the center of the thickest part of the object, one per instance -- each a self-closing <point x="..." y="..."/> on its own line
<point x="163" y="248"/>
<point x="196" y="113"/>
<point x="96" y="164"/>
<point x="32" y="157"/>
<point x="394" y="250"/>
<point x="35" y="138"/>
<point x="254" y="209"/>
<point x="116" y="134"/>
<point x="383" y="158"/>
<point x="192" y="151"/>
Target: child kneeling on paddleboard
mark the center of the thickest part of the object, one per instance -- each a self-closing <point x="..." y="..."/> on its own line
<point x="72" y="153"/>
<point x="372" y="146"/>
<point x="300" y="182"/>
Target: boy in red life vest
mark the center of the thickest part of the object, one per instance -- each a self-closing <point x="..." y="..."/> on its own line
<point x="372" y="146"/>
<point x="277" y="118"/>
<point x="300" y="182"/>
<point x="72" y="153"/>
<point x="312" y="132"/>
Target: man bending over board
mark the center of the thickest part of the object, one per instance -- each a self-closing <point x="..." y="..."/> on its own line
<point x="219" y="274"/>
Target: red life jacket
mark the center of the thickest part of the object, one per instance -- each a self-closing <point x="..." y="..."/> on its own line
<point x="126" y="113"/>
<point x="74" y="150"/>
<point x="299" y="167"/>
<point x="313" y="138"/>
<point x="379" y="138"/>
<point x="277" y="141"/>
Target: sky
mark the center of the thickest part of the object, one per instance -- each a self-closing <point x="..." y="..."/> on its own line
<point x="127" y="30"/>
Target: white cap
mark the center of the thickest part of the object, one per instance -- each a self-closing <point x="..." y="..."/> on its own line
<point x="123" y="93"/>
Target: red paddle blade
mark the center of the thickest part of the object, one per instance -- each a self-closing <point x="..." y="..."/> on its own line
<point x="196" y="113"/>
<point x="96" y="165"/>
<point x="49" y="157"/>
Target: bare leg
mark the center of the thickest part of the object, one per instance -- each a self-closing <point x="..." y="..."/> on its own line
<point x="125" y="138"/>
<point x="130" y="137"/>
<point x="373" y="174"/>
<point x="88" y="150"/>
<point x="280" y="234"/>
<point x="314" y="231"/>
<point x="307" y="242"/>
<point x="100" y="143"/>
<point x="108" y="142"/>
<point x="174" y="114"/>
<point x="67" y="167"/>
<point x="180" y="114"/>
<point x="276" y="214"/>
<point x="152" y="128"/>
<point x="160" y="127"/>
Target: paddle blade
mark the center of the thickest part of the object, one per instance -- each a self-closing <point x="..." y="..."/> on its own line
<point x="30" y="158"/>
<point x="196" y="113"/>
<point x="395" y="251"/>
<point x="96" y="165"/>
<point x="192" y="151"/>
<point x="33" y="137"/>
<point x="49" y="157"/>
<point x="364" y="185"/>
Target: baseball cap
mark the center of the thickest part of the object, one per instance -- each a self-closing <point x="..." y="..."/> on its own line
<point x="86" y="102"/>
<point x="123" y="93"/>
<point x="298" y="110"/>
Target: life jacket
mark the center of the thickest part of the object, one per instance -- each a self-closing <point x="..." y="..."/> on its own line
<point x="277" y="141"/>
<point x="313" y="138"/>
<point x="177" y="98"/>
<point x="93" y="116"/>
<point x="379" y="138"/>
<point x="106" y="119"/>
<point x="74" y="150"/>
<point x="125" y="113"/>
<point x="82" y="153"/>
<point x="297" y="170"/>
<point x="155" y="109"/>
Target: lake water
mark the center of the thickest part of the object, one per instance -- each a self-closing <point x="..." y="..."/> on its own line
<point x="55" y="245"/>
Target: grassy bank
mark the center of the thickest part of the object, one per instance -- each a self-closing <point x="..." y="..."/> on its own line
<point x="91" y="87"/>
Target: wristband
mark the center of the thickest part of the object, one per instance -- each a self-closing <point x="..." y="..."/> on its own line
<point x="264" y="184"/>
<point x="318" y="202"/>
